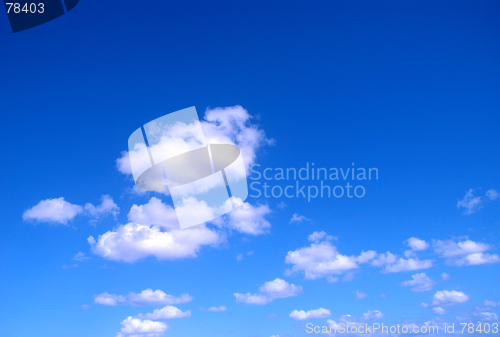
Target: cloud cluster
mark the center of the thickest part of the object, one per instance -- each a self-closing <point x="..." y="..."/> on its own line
<point x="136" y="327"/>
<point x="229" y="125"/>
<point x="446" y="298"/>
<point x="472" y="204"/>
<point x="464" y="253"/>
<point x="421" y="282"/>
<point x="270" y="291"/>
<point x="146" y="297"/>
<point x="301" y="315"/>
<point x="322" y="259"/>
<point x="59" y="211"/>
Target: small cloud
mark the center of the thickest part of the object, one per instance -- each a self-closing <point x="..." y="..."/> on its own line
<point x="360" y="295"/>
<point x="56" y="211"/>
<point x="445" y="277"/>
<point x="270" y="291"/>
<point x="416" y="244"/>
<point x="107" y="207"/>
<point x="281" y="205"/>
<point x="163" y="314"/>
<point x="85" y="307"/>
<point x="372" y="315"/>
<point x="383" y="296"/>
<point x="239" y="257"/>
<point x="69" y="266"/>
<point x="439" y="310"/>
<point x="491" y="303"/>
<point x="298" y="218"/>
<point x="311" y="314"/>
<point x="250" y="253"/>
<point x="80" y="257"/>
<point x="217" y="309"/>
<point x="331" y="279"/>
<point x="272" y="316"/>
<point x="470" y="203"/>
<point x="421" y="282"/>
<point x="446" y="297"/>
<point x="492" y="194"/>
<point x="348" y="277"/>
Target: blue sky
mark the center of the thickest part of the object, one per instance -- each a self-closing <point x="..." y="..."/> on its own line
<point x="410" y="88"/>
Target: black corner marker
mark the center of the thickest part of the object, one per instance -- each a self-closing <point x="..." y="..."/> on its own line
<point x="70" y="4"/>
<point x="28" y="14"/>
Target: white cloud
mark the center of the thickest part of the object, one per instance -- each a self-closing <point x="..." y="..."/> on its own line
<point x="108" y="299"/>
<point x="384" y="259"/>
<point x="372" y="315"/>
<point x="439" y="310"/>
<point x="420" y="282"/>
<point x="298" y="218"/>
<point x="132" y="242"/>
<point x="360" y="295"/>
<point x="465" y="253"/>
<point x="85" y="307"/>
<point x="168" y="312"/>
<point x="470" y="202"/>
<point x="321" y="259"/>
<point x="491" y="303"/>
<point x="80" y="257"/>
<point x="407" y="265"/>
<point x="270" y="291"/>
<point x="217" y="309"/>
<point x="486" y="316"/>
<point x="146" y="297"/>
<point x="230" y="125"/>
<point x="154" y="213"/>
<point x="53" y="210"/>
<point x="447" y="297"/>
<point x="157" y="297"/>
<point x="107" y="207"/>
<point x="417" y="244"/>
<point x="492" y="194"/>
<point x="135" y="327"/>
<point x="445" y="277"/>
<point x="311" y="314"/>
<point x="249" y="219"/>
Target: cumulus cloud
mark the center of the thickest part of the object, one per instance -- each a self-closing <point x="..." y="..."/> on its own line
<point x="447" y="297"/>
<point x="157" y="297"/>
<point x="445" y="277"/>
<point x="132" y="242"/>
<point x="165" y="313"/>
<point x="470" y="202"/>
<point x="417" y="244"/>
<point x="53" y="211"/>
<point x="249" y="219"/>
<point x="311" y="314"/>
<point x="372" y="315"/>
<point x="270" y="291"/>
<point x="465" y="253"/>
<point x="439" y="310"/>
<point x="421" y="282"/>
<point x="155" y="212"/>
<point x="229" y="125"/>
<point x="217" y="309"/>
<point x="108" y="299"/>
<point x="80" y="257"/>
<point x="298" y="218"/>
<point x="107" y="207"/>
<point x="394" y="265"/>
<point x="402" y="265"/>
<point x="492" y="194"/>
<point x="486" y="316"/>
<point x="136" y="327"/>
<point x="491" y="303"/>
<point x="360" y="295"/>
<point x="321" y="258"/>
<point x="146" y="297"/>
